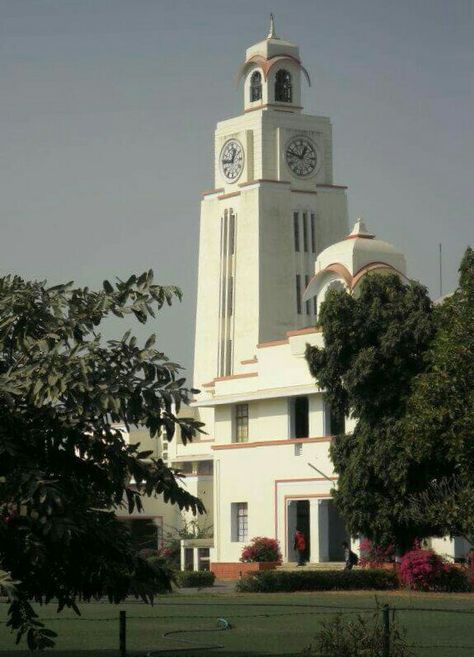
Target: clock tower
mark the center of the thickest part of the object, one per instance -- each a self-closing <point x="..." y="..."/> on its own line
<point x="273" y="209"/>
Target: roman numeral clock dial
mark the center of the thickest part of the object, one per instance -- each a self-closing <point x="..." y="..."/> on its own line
<point x="301" y="157"/>
<point x="232" y="160"/>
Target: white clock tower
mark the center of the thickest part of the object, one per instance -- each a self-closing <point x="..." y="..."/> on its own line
<point x="273" y="209"/>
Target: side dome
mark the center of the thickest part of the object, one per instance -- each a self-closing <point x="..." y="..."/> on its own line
<point x="345" y="263"/>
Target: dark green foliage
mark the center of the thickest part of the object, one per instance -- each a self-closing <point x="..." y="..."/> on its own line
<point x="273" y="581"/>
<point x="454" y="580"/>
<point x="195" y="578"/>
<point x="361" y="636"/>
<point x="64" y="465"/>
<point x="441" y="411"/>
<point x="375" y="345"/>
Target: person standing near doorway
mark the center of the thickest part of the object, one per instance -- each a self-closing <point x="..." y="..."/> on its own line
<point x="300" y="546"/>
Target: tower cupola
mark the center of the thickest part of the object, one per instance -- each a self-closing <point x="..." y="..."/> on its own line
<point x="272" y="74"/>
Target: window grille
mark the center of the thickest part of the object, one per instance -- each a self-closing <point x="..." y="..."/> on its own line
<point x="298" y="449"/>
<point x="241" y="423"/>
<point x="240" y="521"/>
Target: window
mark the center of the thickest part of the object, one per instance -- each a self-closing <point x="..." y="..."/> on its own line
<point x="299" y="417"/>
<point x="203" y="558"/>
<point x="305" y="232"/>
<point x="241" y="423"/>
<point x="296" y="231"/>
<point x="308" y="303"/>
<point x="255" y="87"/>
<point x="205" y="467"/>
<point x="298" y="294"/>
<point x="313" y="233"/>
<point x="283" y="88"/>
<point x="239" y="522"/>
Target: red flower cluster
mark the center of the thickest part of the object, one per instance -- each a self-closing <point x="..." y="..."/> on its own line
<point x="422" y="570"/>
<point x="372" y="555"/>
<point x="262" y="549"/>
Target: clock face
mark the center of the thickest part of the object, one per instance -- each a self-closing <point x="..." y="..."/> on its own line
<point x="232" y="159"/>
<point x="301" y="156"/>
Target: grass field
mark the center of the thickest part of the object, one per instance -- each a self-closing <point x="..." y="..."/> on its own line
<point x="262" y="624"/>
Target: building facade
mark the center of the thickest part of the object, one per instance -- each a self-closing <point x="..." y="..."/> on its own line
<point x="274" y="238"/>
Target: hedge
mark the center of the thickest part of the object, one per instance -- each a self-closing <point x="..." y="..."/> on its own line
<point x="270" y="581"/>
<point x="195" y="578"/>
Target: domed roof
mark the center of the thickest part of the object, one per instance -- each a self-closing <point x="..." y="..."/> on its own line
<point x="354" y="256"/>
<point x="359" y="249"/>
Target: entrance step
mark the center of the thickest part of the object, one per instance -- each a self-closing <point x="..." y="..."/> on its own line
<point x="323" y="565"/>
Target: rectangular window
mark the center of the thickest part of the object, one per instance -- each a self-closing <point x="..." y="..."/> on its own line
<point x="298" y="294"/>
<point x="299" y="417"/>
<point x="308" y="303"/>
<point x="231" y="232"/>
<point x="313" y="233"/>
<point x="241" y="423"/>
<point x="230" y="297"/>
<point x="205" y="467"/>
<point x="296" y="231"/>
<point x="305" y="232"/>
<point x="239" y="522"/>
<point x="315" y="305"/>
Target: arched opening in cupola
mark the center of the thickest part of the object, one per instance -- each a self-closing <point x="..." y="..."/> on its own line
<point x="255" y="86"/>
<point x="283" y="87"/>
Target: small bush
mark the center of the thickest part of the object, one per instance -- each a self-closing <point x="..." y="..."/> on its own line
<point x="195" y="578"/>
<point x="262" y="549"/>
<point x="359" y="637"/>
<point x="424" y="570"/>
<point x="454" y="580"/>
<point x="270" y="581"/>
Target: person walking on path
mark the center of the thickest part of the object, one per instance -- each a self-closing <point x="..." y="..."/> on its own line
<point x="350" y="557"/>
<point x="300" y="546"/>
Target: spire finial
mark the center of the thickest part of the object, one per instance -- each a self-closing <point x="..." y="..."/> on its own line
<point x="271" y="33"/>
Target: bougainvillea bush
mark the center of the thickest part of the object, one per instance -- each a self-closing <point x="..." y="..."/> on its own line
<point x="424" y="570"/>
<point x="372" y="555"/>
<point x="262" y="549"/>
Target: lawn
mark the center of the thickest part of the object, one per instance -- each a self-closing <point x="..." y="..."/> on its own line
<point x="261" y="624"/>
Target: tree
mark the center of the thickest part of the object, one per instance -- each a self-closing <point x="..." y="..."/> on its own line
<point x="65" y="466"/>
<point x="375" y="344"/>
<point x="441" y="411"/>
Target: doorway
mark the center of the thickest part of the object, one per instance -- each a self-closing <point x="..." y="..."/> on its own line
<point x="298" y="518"/>
<point x="332" y="532"/>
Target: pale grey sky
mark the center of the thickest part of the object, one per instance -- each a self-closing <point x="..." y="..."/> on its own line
<point x="108" y="108"/>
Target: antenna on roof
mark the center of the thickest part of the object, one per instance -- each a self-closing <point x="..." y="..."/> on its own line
<point x="440" y="270"/>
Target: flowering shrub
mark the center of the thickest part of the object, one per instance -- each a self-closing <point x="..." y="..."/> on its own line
<point x="262" y="549"/>
<point x="424" y="570"/>
<point x="372" y="555"/>
<point x="421" y="570"/>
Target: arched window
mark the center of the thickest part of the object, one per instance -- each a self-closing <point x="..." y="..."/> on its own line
<point x="283" y="88"/>
<point x="255" y="87"/>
